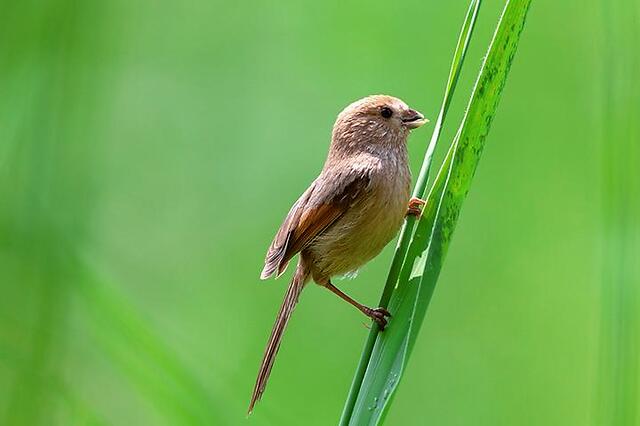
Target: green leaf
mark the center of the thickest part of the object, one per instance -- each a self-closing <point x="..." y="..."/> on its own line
<point x="411" y="295"/>
<point x="618" y="376"/>
<point x="419" y="190"/>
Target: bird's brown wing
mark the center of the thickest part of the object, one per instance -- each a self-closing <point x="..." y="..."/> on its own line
<point x="312" y="214"/>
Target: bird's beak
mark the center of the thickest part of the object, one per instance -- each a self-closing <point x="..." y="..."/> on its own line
<point x="413" y="119"/>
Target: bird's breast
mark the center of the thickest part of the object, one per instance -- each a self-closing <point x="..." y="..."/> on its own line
<point x="369" y="224"/>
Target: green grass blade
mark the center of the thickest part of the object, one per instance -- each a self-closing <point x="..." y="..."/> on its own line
<point x="456" y="65"/>
<point x="138" y="351"/>
<point x="430" y="242"/>
<point x="419" y="191"/>
<point x="618" y="389"/>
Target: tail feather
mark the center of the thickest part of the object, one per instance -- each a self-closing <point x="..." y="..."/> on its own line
<point x="290" y="299"/>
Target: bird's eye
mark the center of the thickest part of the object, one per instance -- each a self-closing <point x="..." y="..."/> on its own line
<point x="386" y="112"/>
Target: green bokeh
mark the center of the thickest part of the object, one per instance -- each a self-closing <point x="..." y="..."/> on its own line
<point x="149" y="150"/>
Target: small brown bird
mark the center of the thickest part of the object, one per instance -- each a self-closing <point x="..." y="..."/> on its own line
<point x="349" y="213"/>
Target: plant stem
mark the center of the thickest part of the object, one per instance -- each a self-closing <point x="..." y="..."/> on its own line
<point x="619" y="355"/>
<point x="419" y="192"/>
<point x="421" y="262"/>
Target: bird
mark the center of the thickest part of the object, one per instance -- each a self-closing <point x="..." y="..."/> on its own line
<point x="349" y="212"/>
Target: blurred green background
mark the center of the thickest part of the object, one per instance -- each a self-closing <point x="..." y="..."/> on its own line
<point x="149" y="151"/>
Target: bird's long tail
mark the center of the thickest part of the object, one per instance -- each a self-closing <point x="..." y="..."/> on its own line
<point x="290" y="299"/>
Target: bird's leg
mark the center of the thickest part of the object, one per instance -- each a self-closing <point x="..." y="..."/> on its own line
<point x="378" y="314"/>
<point x="415" y="207"/>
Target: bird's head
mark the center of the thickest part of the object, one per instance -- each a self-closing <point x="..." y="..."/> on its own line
<point x="376" y="120"/>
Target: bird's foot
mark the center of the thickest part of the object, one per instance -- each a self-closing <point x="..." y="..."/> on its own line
<point x="378" y="315"/>
<point x="415" y="207"/>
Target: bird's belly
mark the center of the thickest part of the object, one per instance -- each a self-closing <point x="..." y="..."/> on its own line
<point x="359" y="235"/>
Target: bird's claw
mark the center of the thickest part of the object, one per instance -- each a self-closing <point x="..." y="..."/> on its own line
<point x="379" y="316"/>
<point x="415" y="207"/>
<point x="414" y="211"/>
